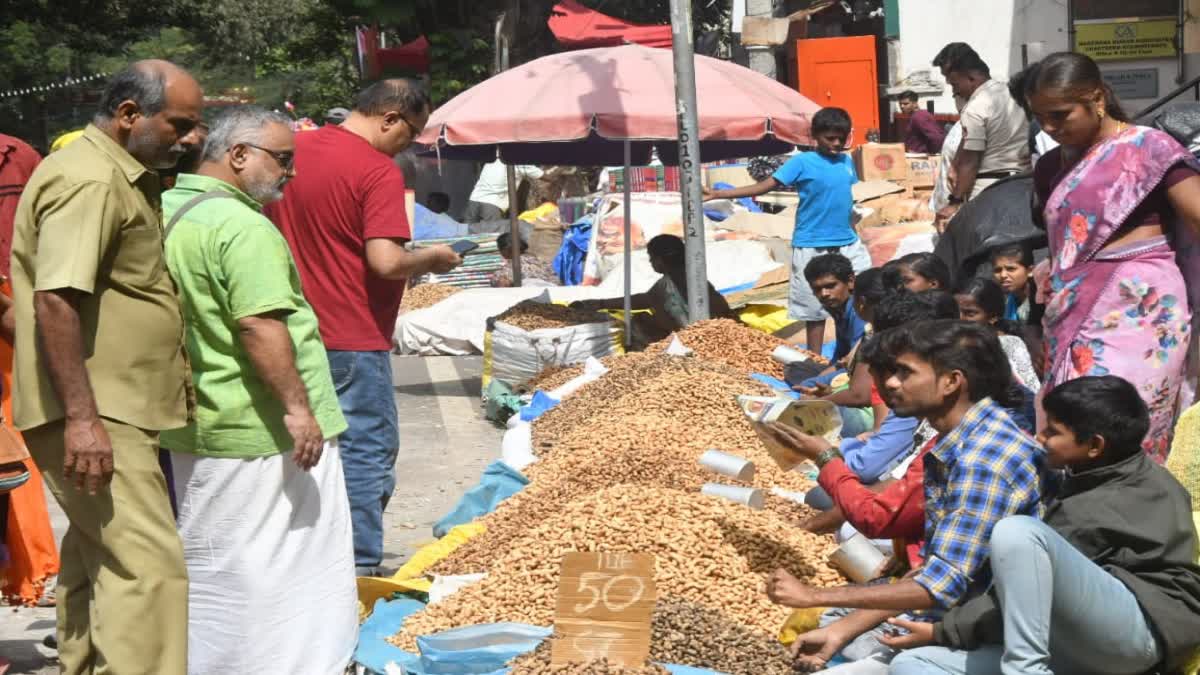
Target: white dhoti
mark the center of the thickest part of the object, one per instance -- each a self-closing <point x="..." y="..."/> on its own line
<point x="270" y="562"/>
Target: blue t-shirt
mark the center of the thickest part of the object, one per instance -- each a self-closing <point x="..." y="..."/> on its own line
<point x="823" y="185"/>
<point x="850" y="330"/>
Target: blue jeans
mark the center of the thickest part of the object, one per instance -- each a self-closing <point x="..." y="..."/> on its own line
<point x="1062" y="614"/>
<point x="369" y="445"/>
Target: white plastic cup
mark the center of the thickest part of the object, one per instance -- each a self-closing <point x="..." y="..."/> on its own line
<point x="752" y="497"/>
<point x="728" y="465"/>
<point x="858" y="559"/>
<point x="786" y="355"/>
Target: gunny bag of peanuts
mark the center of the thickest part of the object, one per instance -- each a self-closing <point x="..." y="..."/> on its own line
<point x="536" y="335"/>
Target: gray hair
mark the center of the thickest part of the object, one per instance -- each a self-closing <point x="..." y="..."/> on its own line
<point x="242" y="124"/>
<point x="139" y="83"/>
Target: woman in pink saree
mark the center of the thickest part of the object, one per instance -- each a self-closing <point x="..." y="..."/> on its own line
<point x="1121" y="205"/>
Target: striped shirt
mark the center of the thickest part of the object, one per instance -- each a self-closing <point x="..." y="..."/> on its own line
<point x="984" y="470"/>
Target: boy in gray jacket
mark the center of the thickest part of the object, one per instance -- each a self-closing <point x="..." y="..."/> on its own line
<point x="1106" y="584"/>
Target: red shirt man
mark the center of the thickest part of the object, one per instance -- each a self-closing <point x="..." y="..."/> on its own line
<point x="925" y="136"/>
<point x="17" y="162"/>
<point x="343" y="216"/>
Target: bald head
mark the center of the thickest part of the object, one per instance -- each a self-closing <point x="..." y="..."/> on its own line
<point x="389" y="114"/>
<point x="152" y="108"/>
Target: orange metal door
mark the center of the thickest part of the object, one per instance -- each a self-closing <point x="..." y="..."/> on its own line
<point x="841" y="72"/>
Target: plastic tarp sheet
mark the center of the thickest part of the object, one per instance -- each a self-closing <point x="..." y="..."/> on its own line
<point x="482" y="649"/>
<point x="1001" y="214"/>
<point x="498" y="482"/>
<point x="374" y="652"/>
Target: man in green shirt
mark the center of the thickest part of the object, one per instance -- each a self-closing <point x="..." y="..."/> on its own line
<point x="263" y="511"/>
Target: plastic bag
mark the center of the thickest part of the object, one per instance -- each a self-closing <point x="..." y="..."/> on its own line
<point x="498" y="482"/>
<point x="478" y="649"/>
<point x="446" y="586"/>
<point x="516" y="449"/>
<point x="766" y="318"/>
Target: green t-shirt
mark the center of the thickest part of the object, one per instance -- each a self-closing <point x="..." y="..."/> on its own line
<point x="230" y="262"/>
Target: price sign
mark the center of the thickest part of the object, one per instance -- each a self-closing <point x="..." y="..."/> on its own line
<point x="605" y="603"/>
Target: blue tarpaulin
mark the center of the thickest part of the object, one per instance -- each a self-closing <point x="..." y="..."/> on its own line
<point x="498" y="482"/>
<point x="568" y="264"/>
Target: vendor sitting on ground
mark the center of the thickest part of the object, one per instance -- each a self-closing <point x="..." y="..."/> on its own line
<point x="666" y="299"/>
<point x="832" y="280"/>
<point x="1107" y="584"/>
<point x="534" y="270"/>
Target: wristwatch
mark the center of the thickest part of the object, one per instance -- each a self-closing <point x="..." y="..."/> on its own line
<point x="955" y="199"/>
<point x="827" y="456"/>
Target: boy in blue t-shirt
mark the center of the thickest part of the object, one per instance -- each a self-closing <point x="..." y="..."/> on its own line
<point x="822" y="180"/>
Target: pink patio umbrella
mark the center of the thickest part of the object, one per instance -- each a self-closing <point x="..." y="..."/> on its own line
<point x="580" y="107"/>
<point x="610" y="106"/>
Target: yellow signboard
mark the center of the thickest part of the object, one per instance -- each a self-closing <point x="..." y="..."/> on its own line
<point x="1126" y="39"/>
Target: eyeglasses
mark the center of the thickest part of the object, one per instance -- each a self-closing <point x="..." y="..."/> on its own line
<point x="285" y="160"/>
<point x="412" y="127"/>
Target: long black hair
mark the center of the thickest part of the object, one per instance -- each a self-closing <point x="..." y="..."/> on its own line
<point x="990" y="297"/>
<point x="1077" y="77"/>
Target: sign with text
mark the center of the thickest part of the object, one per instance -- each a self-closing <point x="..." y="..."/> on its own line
<point x="605" y="603"/>
<point x="1133" y="83"/>
<point x="1126" y="39"/>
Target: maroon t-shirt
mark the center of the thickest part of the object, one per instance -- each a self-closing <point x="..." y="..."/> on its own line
<point x="344" y="193"/>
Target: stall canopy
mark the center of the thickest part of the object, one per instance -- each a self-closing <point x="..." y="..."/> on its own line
<point x="580" y="107"/>
<point x="578" y="27"/>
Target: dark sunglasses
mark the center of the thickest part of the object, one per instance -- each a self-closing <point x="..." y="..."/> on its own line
<point x="285" y="160"/>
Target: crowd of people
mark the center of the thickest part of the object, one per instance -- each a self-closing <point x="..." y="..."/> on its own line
<point x="204" y="377"/>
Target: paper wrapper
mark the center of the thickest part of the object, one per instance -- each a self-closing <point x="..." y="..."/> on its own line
<point x="815" y="418"/>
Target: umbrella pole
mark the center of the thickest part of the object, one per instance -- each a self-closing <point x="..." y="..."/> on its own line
<point x="514" y="226"/>
<point x="689" y="157"/>
<point x="626" y="186"/>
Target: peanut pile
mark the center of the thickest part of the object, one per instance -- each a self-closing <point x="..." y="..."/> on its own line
<point x="685" y="633"/>
<point x="537" y="662"/>
<point x="530" y="315"/>
<point x="707" y="551"/>
<point x="731" y="343"/>
<point x="652" y="434"/>
<point x="426" y="295"/>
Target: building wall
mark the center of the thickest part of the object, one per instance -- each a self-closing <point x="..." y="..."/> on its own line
<point x="997" y="29"/>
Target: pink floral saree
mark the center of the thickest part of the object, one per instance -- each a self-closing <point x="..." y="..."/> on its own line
<point x="1123" y="311"/>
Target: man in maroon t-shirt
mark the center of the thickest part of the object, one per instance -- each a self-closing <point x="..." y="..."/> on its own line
<point x="925" y="134"/>
<point x="344" y="218"/>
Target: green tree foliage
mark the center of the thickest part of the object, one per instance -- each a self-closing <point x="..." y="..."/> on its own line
<point x="301" y="51"/>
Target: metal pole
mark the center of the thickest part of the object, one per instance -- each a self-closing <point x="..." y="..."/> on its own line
<point x="514" y="225"/>
<point x="627" y="187"/>
<point x="689" y="157"/>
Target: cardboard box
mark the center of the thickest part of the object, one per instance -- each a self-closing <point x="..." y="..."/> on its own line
<point x="921" y="170"/>
<point x="881" y="161"/>
<point x="812" y="417"/>
<point x="765" y="31"/>
<point x="737" y="176"/>
<point x="780" y="225"/>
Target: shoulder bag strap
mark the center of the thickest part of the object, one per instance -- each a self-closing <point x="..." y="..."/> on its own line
<point x="190" y="204"/>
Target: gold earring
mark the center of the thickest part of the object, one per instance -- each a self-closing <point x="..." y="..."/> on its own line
<point x="1101" y="114"/>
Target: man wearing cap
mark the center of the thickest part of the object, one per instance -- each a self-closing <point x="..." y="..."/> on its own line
<point x="336" y="116"/>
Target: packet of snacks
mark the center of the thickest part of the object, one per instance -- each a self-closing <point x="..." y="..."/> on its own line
<point x="815" y="418"/>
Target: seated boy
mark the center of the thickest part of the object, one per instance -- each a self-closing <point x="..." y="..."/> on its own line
<point x="1107" y="583"/>
<point x="822" y="180"/>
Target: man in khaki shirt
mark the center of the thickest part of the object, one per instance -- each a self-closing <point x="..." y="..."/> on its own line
<point x="995" y="130"/>
<point x="100" y="370"/>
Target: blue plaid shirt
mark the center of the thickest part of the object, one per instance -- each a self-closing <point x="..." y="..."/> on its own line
<point x="984" y="470"/>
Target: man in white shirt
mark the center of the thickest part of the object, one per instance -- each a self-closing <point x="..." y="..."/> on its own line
<point x="489" y="199"/>
<point x="995" y="141"/>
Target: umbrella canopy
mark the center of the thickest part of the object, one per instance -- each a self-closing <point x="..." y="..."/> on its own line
<point x="579" y="108"/>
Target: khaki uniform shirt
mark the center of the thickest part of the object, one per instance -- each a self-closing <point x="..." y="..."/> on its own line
<point x="90" y="219"/>
<point x="994" y="124"/>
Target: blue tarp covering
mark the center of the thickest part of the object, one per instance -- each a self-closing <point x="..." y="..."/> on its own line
<point x="498" y="482"/>
<point x="568" y="264"/>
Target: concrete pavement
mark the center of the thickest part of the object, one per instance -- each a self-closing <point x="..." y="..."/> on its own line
<point x="444" y="445"/>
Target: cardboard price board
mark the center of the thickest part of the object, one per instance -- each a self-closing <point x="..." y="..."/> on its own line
<point x="605" y="601"/>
